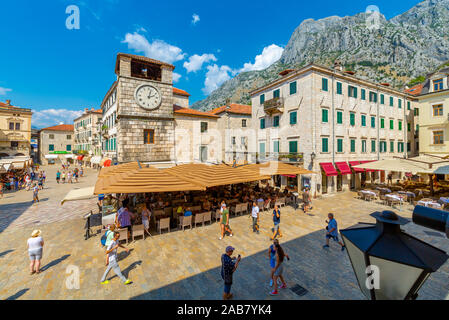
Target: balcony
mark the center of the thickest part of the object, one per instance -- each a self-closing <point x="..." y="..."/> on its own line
<point x="296" y="157"/>
<point x="275" y="105"/>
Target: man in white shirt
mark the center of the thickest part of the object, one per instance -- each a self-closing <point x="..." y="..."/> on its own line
<point x="255" y="216"/>
<point x="112" y="255"/>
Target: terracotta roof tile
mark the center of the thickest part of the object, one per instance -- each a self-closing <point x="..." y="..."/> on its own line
<point x="233" y="108"/>
<point x="180" y="92"/>
<point x="61" y="127"/>
<point x="415" y="90"/>
<point x="192" y="112"/>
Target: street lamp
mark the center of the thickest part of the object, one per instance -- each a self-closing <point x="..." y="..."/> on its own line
<point x="388" y="263"/>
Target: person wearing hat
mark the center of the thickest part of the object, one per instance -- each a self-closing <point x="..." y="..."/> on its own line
<point x="228" y="267"/>
<point x="35" y="245"/>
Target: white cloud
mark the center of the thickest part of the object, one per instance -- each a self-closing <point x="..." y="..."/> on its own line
<point x="269" y="55"/>
<point x="52" y="117"/>
<point x="4" y="91"/>
<point x="196" y="62"/>
<point x="215" y="76"/>
<point x="176" y="77"/>
<point x="158" y="49"/>
<point x="195" y="18"/>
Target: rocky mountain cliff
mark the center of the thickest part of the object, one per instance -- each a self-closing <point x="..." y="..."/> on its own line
<point x="395" y="51"/>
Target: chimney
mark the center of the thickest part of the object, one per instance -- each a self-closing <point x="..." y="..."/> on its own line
<point x="338" y="66"/>
<point x="8" y="102"/>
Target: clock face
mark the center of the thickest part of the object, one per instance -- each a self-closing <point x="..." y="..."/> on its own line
<point x="148" y="97"/>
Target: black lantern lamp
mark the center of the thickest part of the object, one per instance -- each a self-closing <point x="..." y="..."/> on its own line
<point x="403" y="262"/>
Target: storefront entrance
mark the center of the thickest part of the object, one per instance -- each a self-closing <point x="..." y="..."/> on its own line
<point x="353" y="177"/>
<point x="324" y="182"/>
<point x="339" y="183"/>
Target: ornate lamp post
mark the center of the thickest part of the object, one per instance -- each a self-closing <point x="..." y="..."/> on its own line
<point x="390" y="264"/>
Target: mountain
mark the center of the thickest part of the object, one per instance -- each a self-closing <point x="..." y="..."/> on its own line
<point x="395" y="51"/>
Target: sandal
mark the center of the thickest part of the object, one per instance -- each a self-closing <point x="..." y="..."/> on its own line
<point x="31" y="273"/>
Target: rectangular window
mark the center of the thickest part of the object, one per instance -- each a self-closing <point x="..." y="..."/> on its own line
<point x="363" y="93"/>
<point x="324" y="86"/>
<point x="340" y="117"/>
<point x="373" y="145"/>
<point x="68" y="147"/>
<point x="382" y="99"/>
<point x="409" y="126"/>
<point x="364" y="146"/>
<point x="409" y="147"/>
<point x="324" y="115"/>
<point x="262" y="123"/>
<point x="373" y="122"/>
<point x="399" y="103"/>
<point x="148" y="136"/>
<point x="292" y="87"/>
<point x="69" y="137"/>
<point x="262" y="98"/>
<point x="233" y="140"/>
<point x="325" y="145"/>
<point x="352" y="91"/>
<point x="438" y="85"/>
<point x="400" y="146"/>
<point x="51" y="147"/>
<point x="391" y="102"/>
<point x="391" y="124"/>
<point x="438" y="137"/>
<point x="383" y="146"/>
<point x="293" y="117"/>
<point x="437" y="110"/>
<point x="363" y="120"/>
<point x="382" y="123"/>
<point x="11" y="126"/>
<point x="17" y="126"/>
<point x="392" y="146"/>
<point x="243" y="123"/>
<point x="372" y="96"/>
<point x="408" y="105"/>
<point x="203" y="127"/>
<point x="276" y="146"/>
<point x="262" y="149"/>
<point x="276" y="93"/>
<point x="417" y="128"/>
<point x="352" y="119"/>
<point x="399" y="125"/>
<point x="352" y="145"/>
<point x="276" y="121"/>
<point x="339" y="145"/>
<point x="51" y="136"/>
<point x="293" y="147"/>
<point x="339" y="88"/>
<point x="416" y="111"/>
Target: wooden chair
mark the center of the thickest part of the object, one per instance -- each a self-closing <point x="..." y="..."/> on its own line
<point x="163" y="224"/>
<point x="185" y="222"/>
<point x="138" y="230"/>
<point x="199" y="218"/>
<point x="123" y="234"/>
<point x="207" y="217"/>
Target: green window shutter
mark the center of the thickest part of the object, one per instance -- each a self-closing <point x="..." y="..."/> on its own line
<point x="399" y="147"/>
<point x="293" y="146"/>
<point x="409" y="126"/>
<point x="417" y="128"/>
<point x="382" y="123"/>
<point x="363" y="145"/>
<point x="373" y="145"/>
<point x="293" y="87"/>
<point x="262" y="147"/>
<point x="262" y="98"/>
<point x="324" y="84"/>
<point x="276" y="121"/>
<point x="400" y="103"/>
<point x="363" y="120"/>
<point x="339" y="145"/>
<point x="352" y="119"/>
<point x="325" y="115"/>
<point x="391" y="102"/>
<point x="262" y="123"/>
<point x="391" y="146"/>
<point x="339" y="88"/>
<point x="382" y="99"/>
<point x="399" y="125"/>
<point x="325" y="145"/>
<point x="276" y="93"/>
<point x="276" y="146"/>
<point x="373" y="122"/>
<point x="363" y="92"/>
<point x="339" y="117"/>
<point x="391" y="124"/>
<point x="408" y="105"/>
<point x="352" y="145"/>
<point x="355" y="92"/>
<point x="293" y="117"/>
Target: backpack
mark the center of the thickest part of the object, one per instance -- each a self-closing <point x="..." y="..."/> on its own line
<point x="104" y="238"/>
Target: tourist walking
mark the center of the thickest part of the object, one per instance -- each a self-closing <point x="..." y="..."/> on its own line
<point x="279" y="269"/>
<point x="390" y="179"/>
<point x="272" y="258"/>
<point x="228" y="266"/>
<point x="35" y="246"/>
<point x="255" y="216"/>
<point x="41" y="182"/>
<point x="69" y="177"/>
<point x="44" y="175"/>
<point x="58" y="176"/>
<point x="224" y="222"/>
<point x="332" y="232"/>
<point x="277" y="222"/>
<point x="63" y="177"/>
<point x="146" y="215"/>
<point x="35" y="193"/>
<point x="111" y="252"/>
<point x="306" y="200"/>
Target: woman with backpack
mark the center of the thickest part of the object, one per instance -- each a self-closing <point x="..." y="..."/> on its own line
<point x="107" y="238"/>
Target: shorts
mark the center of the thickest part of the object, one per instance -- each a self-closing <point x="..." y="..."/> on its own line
<point x="227" y="288"/>
<point x="329" y="236"/>
<point x="276" y="228"/>
<point x="279" y="271"/>
<point x="35" y="254"/>
<point x="146" y="224"/>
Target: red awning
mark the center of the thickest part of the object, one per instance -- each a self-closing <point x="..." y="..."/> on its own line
<point x="288" y="175"/>
<point x="368" y="170"/>
<point x="107" y="163"/>
<point x="80" y="158"/>
<point x="329" y="169"/>
<point x="355" y="163"/>
<point x="343" y="167"/>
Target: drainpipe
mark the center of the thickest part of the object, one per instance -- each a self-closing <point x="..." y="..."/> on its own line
<point x="405" y="130"/>
<point x="378" y="122"/>
<point x="333" y="117"/>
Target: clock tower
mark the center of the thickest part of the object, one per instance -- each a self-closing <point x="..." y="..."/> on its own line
<point x="145" y="121"/>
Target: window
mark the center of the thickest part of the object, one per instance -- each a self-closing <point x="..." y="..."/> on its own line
<point x="352" y="119"/>
<point x="51" y="136"/>
<point x="340" y="145"/>
<point x="438" y="85"/>
<point x="148" y="136"/>
<point x="409" y="147"/>
<point x="373" y="122"/>
<point x="399" y="125"/>
<point x="14" y="144"/>
<point x="408" y="105"/>
<point x="409" y="126"/>
<point x="391" y="124"/>
<point x="276" y="121"/>
<point x="276" y="146"/>
<point x="438" y="137"/>
<point x="203" y="153"/>
<point x="352" y="91"/>
<point x="339" y="88"/>
<point x="391" y="102"/>
<point x="399" y="103"/>
<point x="262" y="149"/>
<point x="51" y="147"/>
<point x="373" y="145"/>
<point x="363" y="120"/>
<point x="68" y="147"/>
<point x="382" y="99"/>
<point x="262" y="98"/>
<point x="203" y="127"/>
<point x="69" y="137"/>
<point x="363" y="93"/>
<point x="324" y="86"/>
<point x="325" y="145"/>
<point x="262" y="123"/>
<point x="11" y="126"/>
<point x="382" y="123"/>
<point x="383" y="146"/>
<point x="276" y="93"/>
<point x="416" y="111"/>
<point x="392" y="146"/>
<point x="372" y="97"/>
<point x="293" y="146"/>
<point x="437" y="110"/>
<point x="352" y="145"/>
<point x="243" y="123"/>
<point x="340" y="117"/>
<point x="17" y="126"/>
<point x="324" y="115"/>
<point x="364" y="146"/>
<point x="400" y="146"/>
<point x="292" y="87"/>
<point x="233" y="140"/>
<point x="417" y="128"/>
<point x="293" y="117"/>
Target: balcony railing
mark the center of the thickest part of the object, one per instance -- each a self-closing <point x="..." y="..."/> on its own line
<point x="274" y="105"/>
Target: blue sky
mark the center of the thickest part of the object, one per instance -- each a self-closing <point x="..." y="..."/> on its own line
<point x="58" y="72"/>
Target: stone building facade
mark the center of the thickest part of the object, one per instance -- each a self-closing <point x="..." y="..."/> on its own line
<point x="56" y="144"/>
<point x="86" y="129"/>
<point x="330" y="120"/>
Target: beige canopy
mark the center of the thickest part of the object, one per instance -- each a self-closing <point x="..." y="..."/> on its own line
<point x="79" y="194"/>
<point x="273" y="168"/>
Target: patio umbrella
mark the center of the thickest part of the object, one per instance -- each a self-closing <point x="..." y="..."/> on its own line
<point x="79" y="194"/>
